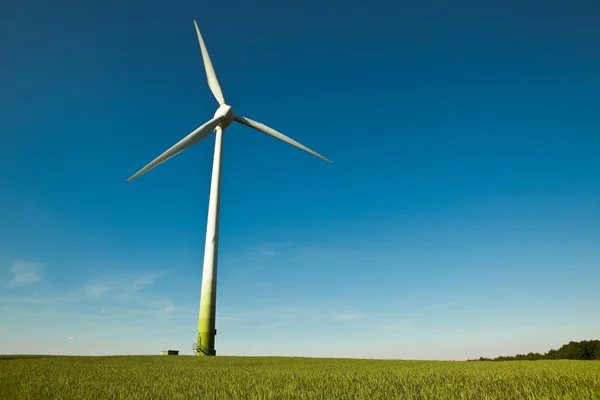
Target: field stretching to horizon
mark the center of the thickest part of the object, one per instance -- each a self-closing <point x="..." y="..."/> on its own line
<point x="190" y="377"/>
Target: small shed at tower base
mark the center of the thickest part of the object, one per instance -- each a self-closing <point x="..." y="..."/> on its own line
<point x="169" y="353"/>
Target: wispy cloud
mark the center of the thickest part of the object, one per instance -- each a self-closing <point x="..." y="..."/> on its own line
<point x="274" y="325"/>
<point x="96" y="290"/>
<point x="130" y="289"/>
<point x="168" y="309"/>
<point x="271" y="249"/>
<point x="26" y="272"/>
<point x="109" y="291"/>
<point x="344" y="317"/>
<point x="33" y="300"/>
<point x="143" y="282"/>
<point x="122" y="289"/>
<point x="165" y="305"/>
<point x="71" y="338"/>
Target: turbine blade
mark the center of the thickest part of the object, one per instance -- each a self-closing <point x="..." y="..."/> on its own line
<point x="213" y="82"/>
<point x="272" y="132"/>
<point x="188" y="141"/>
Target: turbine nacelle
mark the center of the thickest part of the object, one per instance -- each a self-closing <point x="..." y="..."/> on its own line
<point x="225" y="115"/>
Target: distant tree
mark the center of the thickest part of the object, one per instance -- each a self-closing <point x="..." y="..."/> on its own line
<point x="551" y="354"/>
<point x="584" y="350"/>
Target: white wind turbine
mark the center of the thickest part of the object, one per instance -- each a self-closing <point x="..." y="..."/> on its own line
<point x="224" y="116"/>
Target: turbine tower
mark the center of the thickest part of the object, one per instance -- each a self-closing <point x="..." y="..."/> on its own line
<point x="223" y="118"/>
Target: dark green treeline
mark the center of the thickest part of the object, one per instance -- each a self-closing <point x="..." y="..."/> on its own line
<point x="585" y="350"/>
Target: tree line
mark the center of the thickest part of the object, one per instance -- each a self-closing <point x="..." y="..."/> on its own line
<point x="584" y="350"/>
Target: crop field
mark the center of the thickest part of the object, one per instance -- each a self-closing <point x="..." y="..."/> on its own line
<point x="190" y="377"/>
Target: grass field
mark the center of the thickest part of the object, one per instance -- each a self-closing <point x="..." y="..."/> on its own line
<point x="189" y="377"/>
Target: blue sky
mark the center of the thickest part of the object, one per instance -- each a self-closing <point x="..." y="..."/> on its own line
<point x="460" y="218"/>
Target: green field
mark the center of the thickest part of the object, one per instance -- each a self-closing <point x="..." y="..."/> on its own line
<point x="189" y="377"/>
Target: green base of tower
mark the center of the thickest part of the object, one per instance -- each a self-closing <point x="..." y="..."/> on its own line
<point x="207" y="338"/>
<point x="200" y="352"/>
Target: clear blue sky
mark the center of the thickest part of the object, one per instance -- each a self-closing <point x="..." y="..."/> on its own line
<point x="461" y="216"/>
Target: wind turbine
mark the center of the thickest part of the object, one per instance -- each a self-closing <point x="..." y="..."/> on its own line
<point x="224" y="117"/>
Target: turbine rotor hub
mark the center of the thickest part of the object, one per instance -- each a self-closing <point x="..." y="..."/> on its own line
<point x="225" y="113"/>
